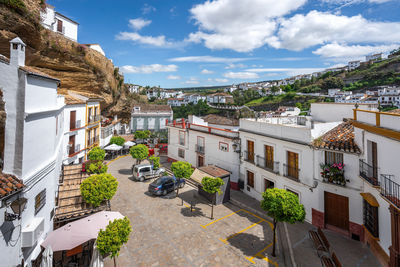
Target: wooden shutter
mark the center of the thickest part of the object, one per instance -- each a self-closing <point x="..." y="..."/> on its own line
<point x="250" y="150"/>
<point x="250" y="179"/>
<point x="72" y="120"/>
<point x="293" y="164"/>
<point x="71" y="145"/>
<point x="269" y="156"/>
<point x="59" y="26"/>
<point x="374" y="159"/>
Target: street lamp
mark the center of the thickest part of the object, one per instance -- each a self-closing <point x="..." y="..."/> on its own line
<point x="17" y="206"/>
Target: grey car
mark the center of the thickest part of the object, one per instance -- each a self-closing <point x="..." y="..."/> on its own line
<point x="146" y="171"/>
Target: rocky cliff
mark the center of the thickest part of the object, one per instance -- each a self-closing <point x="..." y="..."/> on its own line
<point x="78" y="67"/>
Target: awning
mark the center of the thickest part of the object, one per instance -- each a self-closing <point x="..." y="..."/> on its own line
<point x="370" y="199"/>
<point x="198" y="175"/>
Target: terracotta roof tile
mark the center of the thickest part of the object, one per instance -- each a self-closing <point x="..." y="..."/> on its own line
<point x="215" y="119"/>
<point x="9" y="184"/>
<point x="34" y="71"/>
<point x="214" y="171"/>
<point x="340" y="138"/>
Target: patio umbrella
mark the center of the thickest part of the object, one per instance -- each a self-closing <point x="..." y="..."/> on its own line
<point x="113" y="147"/>
<point x="129" y="143"/>
<point x="97" y="259"/>
<point x="78" y="232"/>
<point x="47" y="257"/>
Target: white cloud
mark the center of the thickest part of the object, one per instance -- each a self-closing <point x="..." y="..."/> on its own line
<point x="288" y="71"/>
<point x="207" y="59"/>
<point x="316" y="28"/>
<point x="148" y="9"/>
<point x="192" y="80"/>
<point x="235" y="66"/>
<point x="174" y="77"/>
<point x="138" y="23"/>
<point x="206" y="71"/>
<point x="221" y="80"/>
<point x="239" y="25"/>
<point x="241" y="75"/>
<point x="159" y="41"/>
<point x="379" y="1"/>
<point x="352" y="51"/>
<point x="149" y="68"/>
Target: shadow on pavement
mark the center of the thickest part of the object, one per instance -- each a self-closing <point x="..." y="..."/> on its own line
<point x="125" y="171"/>
<point x="249" y="244"/>
<point x="195" y="212"/>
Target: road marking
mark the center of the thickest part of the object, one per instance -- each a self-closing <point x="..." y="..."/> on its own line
<point x="241" y="231"/>
<point x="262" y="257"/>
<point x="269" y="223"/>
<point x="120" y="157"/>
<point x="204" y="226"/>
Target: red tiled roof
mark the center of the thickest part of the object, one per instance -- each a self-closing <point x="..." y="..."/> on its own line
<point x="340" y="138"/>
<point x="9" y="184"/>
<point x="34" y="71"/>
<point x="214" y="171"/>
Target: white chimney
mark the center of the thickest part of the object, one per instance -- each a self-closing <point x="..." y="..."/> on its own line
<point x="17" y="52"/>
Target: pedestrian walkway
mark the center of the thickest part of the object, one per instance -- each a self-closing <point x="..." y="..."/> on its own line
<point x="294" y="243"/>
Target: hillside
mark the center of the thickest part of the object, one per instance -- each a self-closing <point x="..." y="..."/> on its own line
<point x="78" y="67"/>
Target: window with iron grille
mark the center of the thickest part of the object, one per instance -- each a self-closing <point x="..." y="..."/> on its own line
<point x="181" y="153"/>
<point x="40" y="201"/>
<point x="371" y="221"/>
<point x="333" y="157"/>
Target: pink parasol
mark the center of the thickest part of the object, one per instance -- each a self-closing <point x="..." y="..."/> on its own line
<point x="78" y="232"/>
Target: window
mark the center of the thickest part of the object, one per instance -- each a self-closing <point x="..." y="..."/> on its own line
<point x="333" y="157"/>
<point x="181" y="138"/>
<point x="250" y="179"/>
<point x="291" y="191"/>
<point x="181" y="153"/>
<point x="268" y="184"/>
<point x="371" y="219"/>
<point x="223" y="146"/>
<point x="59" y="26"/>
<point x="146" y="169"/>
<point x="15" y="46"/>
<point x="40" y="201"/>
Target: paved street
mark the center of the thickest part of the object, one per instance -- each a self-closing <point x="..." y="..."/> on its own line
<point x="165" y="233"/>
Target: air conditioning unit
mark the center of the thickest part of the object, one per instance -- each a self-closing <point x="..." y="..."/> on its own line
<point x="32" y="232"/>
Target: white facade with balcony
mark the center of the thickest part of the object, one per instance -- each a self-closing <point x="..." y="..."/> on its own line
<point x="33" y="147"/>
<point x="59" y="23"/>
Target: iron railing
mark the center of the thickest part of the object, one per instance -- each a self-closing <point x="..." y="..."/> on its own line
<point x="269" y="165"/>
<point x="200" y="149"/>
<point x="369" y="173"/>
<point x="73" y="149"/>
<point x="390" y="189"/>
<point x="248" y="156"/>
<point x="291" y="172"/>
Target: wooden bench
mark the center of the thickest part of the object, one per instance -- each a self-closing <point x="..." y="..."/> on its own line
<point x="332" y="261"/>
<point x="319" y="240"/>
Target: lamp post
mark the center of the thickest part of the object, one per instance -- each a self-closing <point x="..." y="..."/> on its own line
<point x="17" y="206"/>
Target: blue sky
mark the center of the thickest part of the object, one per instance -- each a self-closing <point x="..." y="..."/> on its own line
<point x="182" y="43"/>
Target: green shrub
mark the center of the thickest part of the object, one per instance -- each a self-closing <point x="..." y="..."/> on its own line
<point x="16" y="5"/>
<point x="118" y="140"/>
<point x="98" y="188"/>
<point x="113" y="237"/>
<point x="212" y="185"/>
<point x="155" y="161"/>
<point x="97" y="168"/>
<point x="97" y="153"/>
<point x="139" y="152"/>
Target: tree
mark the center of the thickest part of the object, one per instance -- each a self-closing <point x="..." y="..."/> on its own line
<point x="155" y="161"/>
<point x="139" y="152"/>
<point x="97" y="167"/>
<point x="332" y="82"/>
<point x="181" y="169"/>
<point x="118" y="140"/>
<point x="282" y="206"/>
<point x="142" y="134"/>
<point x="97" y="188"/>
<point x="212" y="186"/>
<point x="110" y="240"/>
<point x="97" y="154"/>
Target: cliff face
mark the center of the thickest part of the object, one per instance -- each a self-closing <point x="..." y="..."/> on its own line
<point x="78" y="67"/>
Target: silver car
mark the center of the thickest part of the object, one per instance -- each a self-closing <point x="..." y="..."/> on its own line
<point x="146" y="171"/>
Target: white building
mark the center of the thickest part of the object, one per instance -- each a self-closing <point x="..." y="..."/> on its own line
<point x="220" y="98"/>
<point x="111" y="127"/>
<point x="352" y="65"/>
<point x="32" y="147"/>
<point x="202" y="145"/>
<point x="374" y="57"/>
<point x="59" y="23"/>
<point x="82" y="126"/>
<point x="176" y="102"/>
<point x="333" y="92"/>
<point x="150" y="117"/>
<point x="97" y="48"/>
<point x="134" y="89"/>
<point x="331" y="112"/>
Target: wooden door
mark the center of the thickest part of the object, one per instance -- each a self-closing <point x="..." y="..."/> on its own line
<point x="250" y="150"/>
<point x="337" y="210"/>
<point x="72" y="120"/>
<point x="59" y="26"/>
<point x="293" y="164"/>
<point x="200" y="161"/>
<point x="250" y="179"/>
<point x="269" y="157"/>
<point x="71" y="144"/>
<point x="374" y="160"/>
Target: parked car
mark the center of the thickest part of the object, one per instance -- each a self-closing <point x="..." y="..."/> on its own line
<point x="146" y="171"/>
<point x="165" y="184"/>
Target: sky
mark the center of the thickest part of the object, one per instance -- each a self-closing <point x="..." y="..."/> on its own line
<point x="184" y="43"/>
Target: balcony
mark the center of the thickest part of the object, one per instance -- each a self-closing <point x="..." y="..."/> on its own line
<point x="92" y="141"/>
<point x="269" y="165"/>
<point x="369" y="173"/>
<point x="333" y="173"/>
<point x="390" y="189"/>
<point x="291" y="172"/>
<point x="247" y="156"/>
<point x="200" y="149"/>
<point x="93" y="118"/>
<point x="73" y="149"/>
<point x="75" y="125"/>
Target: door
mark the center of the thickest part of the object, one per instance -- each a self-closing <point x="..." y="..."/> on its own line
<point x="169" y="185"/>
<point x="268" y="184"/>
<point x="71" y="144"/>
<point x="145" y="171"/>
<point x="59" y="26"/>
<point x="72" y="120"/>
<point x="374" y="160"/>
<point x="269" y="157"/>
<point x="200" y="161"/>
<point x="250" y="151"/>
<point x="293" y="164"/>
<point x="337" y="211"/>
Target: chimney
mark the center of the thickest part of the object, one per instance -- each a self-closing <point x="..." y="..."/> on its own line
<point x="17" y="52"/>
